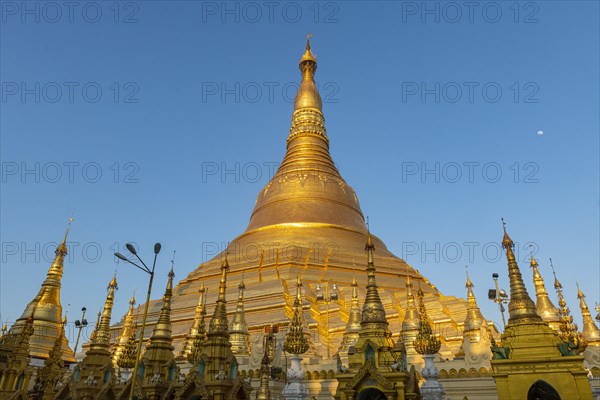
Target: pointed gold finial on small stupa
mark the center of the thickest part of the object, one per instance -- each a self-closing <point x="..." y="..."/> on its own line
<point x="544" y="306"/>
<point x="426" y="342"/>
<point x="520" y="307"/>
<point x="295" y="340"/>
<point x="569" y="332"/>
<point x="590" y="331"/>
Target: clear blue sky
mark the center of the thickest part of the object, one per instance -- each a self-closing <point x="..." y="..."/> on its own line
<point x="160" y="124"/>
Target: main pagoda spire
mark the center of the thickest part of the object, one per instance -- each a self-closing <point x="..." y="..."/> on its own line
<point x="308" y="107"/>
<point x="46" y="309"/>
<point x="307" y="187"/>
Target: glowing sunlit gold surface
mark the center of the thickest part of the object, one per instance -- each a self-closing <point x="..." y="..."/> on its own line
<point x="307" y="222"/>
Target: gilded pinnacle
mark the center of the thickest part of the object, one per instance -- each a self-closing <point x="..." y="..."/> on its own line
<point x="218" y="324"/>
<point x="122" y="342"/>
<point x="426" y="342"/>
<point x="47" y="307"/>
<point x="162" y="329"/>
<point x="354" y="317"/>
<point x="590" y="331"/>
<point x="101" y="339"/>
<point x="295" y="340"/>
<point x="520" y="307"/>
<point x="308" y="95"/>
<point x="568" y="329"/>
<point x="239" y="336"/>
<point x="411" y="317"/>
<point x="199" y="338"/>
<point x="544" y="306"/>
<point x="474" y="319"/>
<point x="129" y="351"/>
<point x="373" y="312"/>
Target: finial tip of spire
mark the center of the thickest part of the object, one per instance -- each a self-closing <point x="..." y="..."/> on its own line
<point x="506" y="240"/>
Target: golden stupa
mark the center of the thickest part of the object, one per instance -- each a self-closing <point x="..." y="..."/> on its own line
<point x="307" y="222"/>
<point x="46" y="311"/>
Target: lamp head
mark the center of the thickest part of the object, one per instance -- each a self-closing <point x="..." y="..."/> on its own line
<point x="121" y="257"/>
<point x="131" y="249"/>
<point x="157" y="247"/>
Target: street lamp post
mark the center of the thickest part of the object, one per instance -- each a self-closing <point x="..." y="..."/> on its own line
<point x="328" y="297"/>
<point x="80" y="325"/>
<point x="499" y="297"/>
<point x="149" y="271"/>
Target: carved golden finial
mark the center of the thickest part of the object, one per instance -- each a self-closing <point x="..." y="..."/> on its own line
<point x="218" y="324"/>
<point x="125" y="348"/>
<point x="352" y="332"/>
<point x="295" y="340"/>
<point x="520" y="307"/>
<point x="239" y="336"/>
<point x="197" y="334"/>
<point x="102" y="337"/>
<point x="469" y="285"/>
<point x="557" y="284"/>
<point x="426" y="342"/>
<point x="162" y="330"/>
<point x="95" y="331"/>
<point x="411" y="317"/>
<point x="62" y="248"/>
<point x="127" y="357"/>
<point x="506" y="240"/>
<point x="568" y="329"/>
<point x="263" y="392"/>
<point x="474" y="319"/>
<point x="544" y="306"/>
<point x="308" y="55"/>
<point x="590" y="331"/>
<point x="373" y="312"/>
<point x="53" y="365"/>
